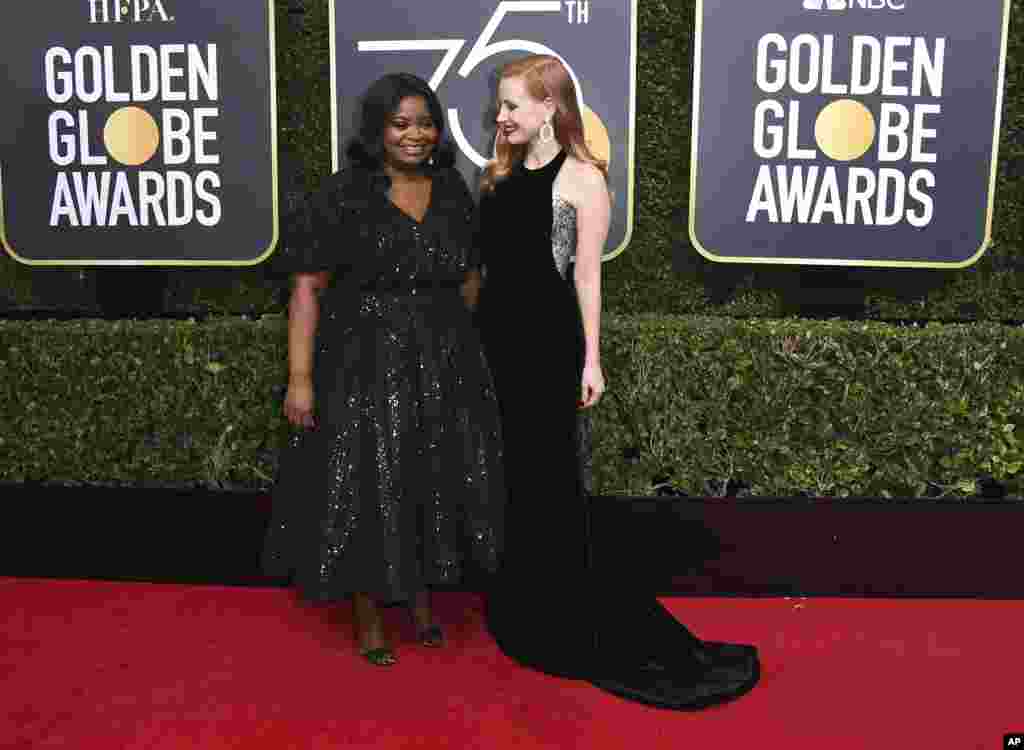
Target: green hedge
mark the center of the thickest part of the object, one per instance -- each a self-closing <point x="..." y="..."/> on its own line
<point x="660" y="272"/>
<point x="781" y="406"/>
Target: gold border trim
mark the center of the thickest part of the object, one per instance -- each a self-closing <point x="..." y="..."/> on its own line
<point x="631" y="142"/>
<point x="694" y="134"/>
<point x="631" y="115"/>
<point x="333" y="44"/>
<point x="271" y="26"/>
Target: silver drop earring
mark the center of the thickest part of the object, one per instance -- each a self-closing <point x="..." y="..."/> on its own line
<point x="547" y="132"/>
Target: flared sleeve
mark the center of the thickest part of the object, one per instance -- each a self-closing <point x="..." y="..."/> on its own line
<point x="312" y="231"/>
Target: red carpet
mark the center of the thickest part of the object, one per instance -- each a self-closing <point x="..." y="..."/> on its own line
<point x="89" y="664"/>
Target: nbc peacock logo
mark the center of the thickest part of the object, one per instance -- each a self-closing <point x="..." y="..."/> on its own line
<point x="854" y="4"/>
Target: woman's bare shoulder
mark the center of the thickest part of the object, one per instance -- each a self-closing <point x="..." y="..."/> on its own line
<point x="580" y="179"/>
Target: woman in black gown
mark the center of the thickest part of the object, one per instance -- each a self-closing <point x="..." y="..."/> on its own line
<point x="544" y="198"/>
<point x="395" y="481"/>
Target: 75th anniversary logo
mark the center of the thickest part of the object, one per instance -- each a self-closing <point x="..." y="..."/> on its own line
<point x="846" y="132"/>
<point x="138" y="132"/>
<point x="458" y="46"/>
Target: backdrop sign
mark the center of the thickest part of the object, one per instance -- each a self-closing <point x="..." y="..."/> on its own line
<point x="846" y="132"/>
<point x="138" y="132"/>
<point x="458" y="47"/>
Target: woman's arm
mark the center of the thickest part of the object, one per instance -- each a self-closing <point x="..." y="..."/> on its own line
<point x="471" y="288"/>
<point x="303" y="316"/>
<point x="593" y="215"/>
<point x="470" y="212"/>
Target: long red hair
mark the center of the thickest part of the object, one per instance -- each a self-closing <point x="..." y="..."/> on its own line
<point x="544" y="76"/>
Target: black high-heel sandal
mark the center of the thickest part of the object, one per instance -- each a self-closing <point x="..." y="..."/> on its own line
<point x="382" y="656"/>
<point x="431" y="636"/>
<point x="379" y="657"/>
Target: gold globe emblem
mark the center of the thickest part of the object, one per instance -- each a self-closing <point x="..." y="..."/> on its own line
<point x="131" y="136"/>
<point x="845" y="130"/>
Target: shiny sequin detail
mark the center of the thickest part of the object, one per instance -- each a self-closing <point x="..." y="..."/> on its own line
<point x="563" y="248"/>
<point x="563" y="233"/>
<point x="342" y="517"/>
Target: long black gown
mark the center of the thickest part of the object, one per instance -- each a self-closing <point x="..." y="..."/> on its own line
<point x="545" y="610"/>
<point x="401" y="484"/>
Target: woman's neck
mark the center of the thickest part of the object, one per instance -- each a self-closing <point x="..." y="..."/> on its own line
<point x="404" y="175"/>
<point x="539" y="154"/>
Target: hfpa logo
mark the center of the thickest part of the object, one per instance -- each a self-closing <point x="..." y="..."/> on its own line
<point x="127" y="11"/>
<point x="851" y="4"/>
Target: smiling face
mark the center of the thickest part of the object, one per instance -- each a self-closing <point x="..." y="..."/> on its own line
<point x="520" y="115"/>
<point x="410" y="134"/>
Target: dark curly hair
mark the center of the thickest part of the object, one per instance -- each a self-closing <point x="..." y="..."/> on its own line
<point x="379" y="103"/>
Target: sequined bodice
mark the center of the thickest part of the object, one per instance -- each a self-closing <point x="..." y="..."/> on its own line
<point x="563" y="232"/>
<point x="353" y="229"/>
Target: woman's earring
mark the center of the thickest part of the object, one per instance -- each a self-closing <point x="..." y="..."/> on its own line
<point x="547" y="132"/>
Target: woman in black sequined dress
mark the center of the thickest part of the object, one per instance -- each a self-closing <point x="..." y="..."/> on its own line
<point x="394" y="480"/>
<point x="544" y="200"/>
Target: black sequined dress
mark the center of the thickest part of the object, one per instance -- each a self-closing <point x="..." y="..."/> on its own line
<point x="401" y="484"/>
<point x="546" y="610"/>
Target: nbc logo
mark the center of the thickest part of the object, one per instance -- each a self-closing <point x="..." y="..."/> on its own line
<point x="850" y="4"/>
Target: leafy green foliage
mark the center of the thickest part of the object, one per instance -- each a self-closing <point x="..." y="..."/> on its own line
<point x="785" y="406"/>
<point x="133" y="401"/>
<point x="829" y="408"/>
